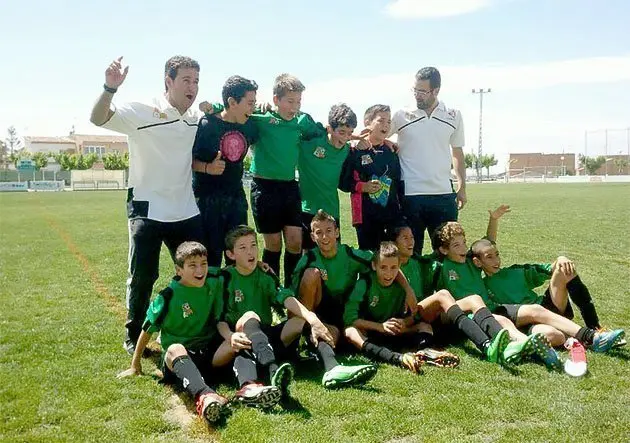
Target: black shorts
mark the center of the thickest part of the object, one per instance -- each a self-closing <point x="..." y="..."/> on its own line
<point x="274" y="334"/>
<point x="330" y="309"/>
<point x="391" y="342"/>
<point x="275" y="204"/>
<point x="307" y="241"/>
<point x="202" y="358"/>
<point x="511" y="310"/>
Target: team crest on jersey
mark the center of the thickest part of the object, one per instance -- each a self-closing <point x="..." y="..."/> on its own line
<point x="273" y="121"/>
<point x="158" y="114"/>
<point x="452" y="275"/>
<point x="374" y="301"/>
<point x="366" y="159"/>
<point x="238" y="296"/>
<point x="451" y="113"/>
<point x="410" y="115"/>
<point x="319" y="152"/>
<point x="324" y="274"/>
<point x="187" y="310"/>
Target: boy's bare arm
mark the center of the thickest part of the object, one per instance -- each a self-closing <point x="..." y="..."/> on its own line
<point x="237" y="340"/>
<point x="410" y="296"/>
<point x="493" y="221"/>
<point x="136" y="360"/>
<point x="318" y="330"/>
<point x="366" y="325"/>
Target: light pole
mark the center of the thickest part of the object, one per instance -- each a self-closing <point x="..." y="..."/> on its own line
<point x="481" y="92"/>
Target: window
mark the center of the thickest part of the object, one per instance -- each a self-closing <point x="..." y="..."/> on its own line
<point x="98" y="150"/>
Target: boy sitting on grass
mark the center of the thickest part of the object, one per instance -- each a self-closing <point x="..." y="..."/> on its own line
<point x="511" y="290"/>
<point x="250" y="294"/>
<point x="186" y="313"/>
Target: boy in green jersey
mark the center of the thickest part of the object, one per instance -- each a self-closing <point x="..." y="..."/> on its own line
<point x="511" y="290"/>
<point x="458" y="274"/>
<point x="319" y="165"/>
<point x="250" y="295"/>
<point x="275" y="194"/>
<point x="186" y="313"/>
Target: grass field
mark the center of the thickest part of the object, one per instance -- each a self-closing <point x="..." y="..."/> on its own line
<point x="62" y="274"/>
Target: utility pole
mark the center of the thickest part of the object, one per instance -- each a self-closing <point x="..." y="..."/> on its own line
<point x="481" y="92"/>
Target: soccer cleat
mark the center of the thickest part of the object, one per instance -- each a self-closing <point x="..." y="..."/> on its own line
<point x="348" y="375"/>
<point x="516" y="351"/>
<point x="282" y="378"/>
<point x="441" y="359"/>
<point x="256" y="395"/>
<point x="211" y="406"/>
<point x="496" y="347"/>
<point x="412" y="362"/>
<point x="546" y="353"/>
<point x="576" y="363"/>
<point x="619" y="341"/>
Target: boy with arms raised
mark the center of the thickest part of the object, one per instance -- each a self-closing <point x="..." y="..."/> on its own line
<point x="373" y="178"/>
<point x="186" y="313"/>
<point x="250" y="294"/>
<point x="319" y="165"/>
<point x="220" y="146"/>
<point x="458" y="274"/>
<point x="511" y="290"/>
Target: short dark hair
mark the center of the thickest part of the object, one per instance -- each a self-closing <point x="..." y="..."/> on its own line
<point x="342" y="115"/>
<point x="432" y="74"/>
<point x="236" y="233"/>
<point x="395" y="230"/>
<point x="372" y="111"/>
<point x="189" y="249"/>
<point x="321" y="216"/>
<point x="285" y="83"/>
<point x="236" y="87"/>
<point x="173" y="64"/>
<point x="386" y="249"/>
<point x="480" y="245"/>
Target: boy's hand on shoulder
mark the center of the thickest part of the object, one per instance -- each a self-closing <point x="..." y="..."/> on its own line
<point x="206" y="107"/>
<point x="239" y="341"/>
<point x="499" y="212"/>
<point x="265" y="267"/>
<point x="263" y="108"/>
<point x="391" y="145"/>
<point x="360" y="142"/>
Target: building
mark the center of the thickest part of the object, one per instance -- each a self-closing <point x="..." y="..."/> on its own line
<point x="539" y="164"/>
<point x="615" y="165"/>
<point x="78" y="144"/>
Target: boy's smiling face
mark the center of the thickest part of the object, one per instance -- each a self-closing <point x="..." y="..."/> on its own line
<point x="386" y="270"/>
<point x="379" y="127"/>
<point x="456" y="250"/>
<point x="489" y="260"/>
<point x="325" y="234"/>
<point x="245" y="254"/>
<point x="289" y="105"/>
<point x="340" y="135"/>
<point x="405" y="242"/>
<point x="194" y="271"/>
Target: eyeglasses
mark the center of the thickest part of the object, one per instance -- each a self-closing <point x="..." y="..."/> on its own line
<point x="421" y="92"/>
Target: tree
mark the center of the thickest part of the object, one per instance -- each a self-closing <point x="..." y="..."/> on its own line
<point x="116" y="161"/>
<point x="591" y="164"/>
<point x="621" y="164"/>
<point x="19" y="155"/>
<point x="13" y="142"/>
<point x="40" y="159"/>
<point x="469" y="160"/>
<point x="488" y="161"/>
<point x="4" y="153"/>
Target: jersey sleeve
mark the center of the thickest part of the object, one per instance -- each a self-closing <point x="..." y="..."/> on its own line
<point x="309" y="129"/>
<point x="302" y="265"/>
<point x="214" y="282"/>
<point x="457" y="137"/>
<point x="126" y="118"/>
<point x="537" y="274"/>
<point x="363" y="259"/>
<point x="396" y="123"/>
<point x="278" y="293"/>
<point x="351" y="310"/>
<point x="201" y="141"/>
<point x="347" y="178"/>
<point x="157" y="311"/>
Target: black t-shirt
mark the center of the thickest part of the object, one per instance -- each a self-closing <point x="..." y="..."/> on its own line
<point x="233" y="140"/>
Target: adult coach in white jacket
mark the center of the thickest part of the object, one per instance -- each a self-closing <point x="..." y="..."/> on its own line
<point x="430" y="140"/>
<point x="160" y="202"/>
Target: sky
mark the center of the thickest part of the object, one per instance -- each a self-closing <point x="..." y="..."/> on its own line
<point x="559" y="70"/>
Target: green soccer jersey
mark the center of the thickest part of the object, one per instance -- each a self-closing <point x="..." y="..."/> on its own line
<point x="462" y="280"/>
<point x="372" y="302"/>
<point x="339" y="273"/>
<point x="420" y="272"/>
<point x="319" y="165"/>
<point x="259" y="292"/>
<point x="514" y="285"/>
<point x="187" y="315"/>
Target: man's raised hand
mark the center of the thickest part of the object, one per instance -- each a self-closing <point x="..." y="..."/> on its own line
<point x="115" y="74"/>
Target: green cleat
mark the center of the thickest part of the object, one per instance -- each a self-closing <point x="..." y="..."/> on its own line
<point x="546" y="353"/>
<point x="340" y="376"/>
<point x="516" y="351"/>
<point x="494" y="351"/>
<point x="282" y="378"/>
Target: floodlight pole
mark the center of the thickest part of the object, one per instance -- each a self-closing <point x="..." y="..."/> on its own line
<point x="481" y="92"/>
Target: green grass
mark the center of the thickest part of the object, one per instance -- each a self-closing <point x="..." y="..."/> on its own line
<point x="62" y="276"/>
